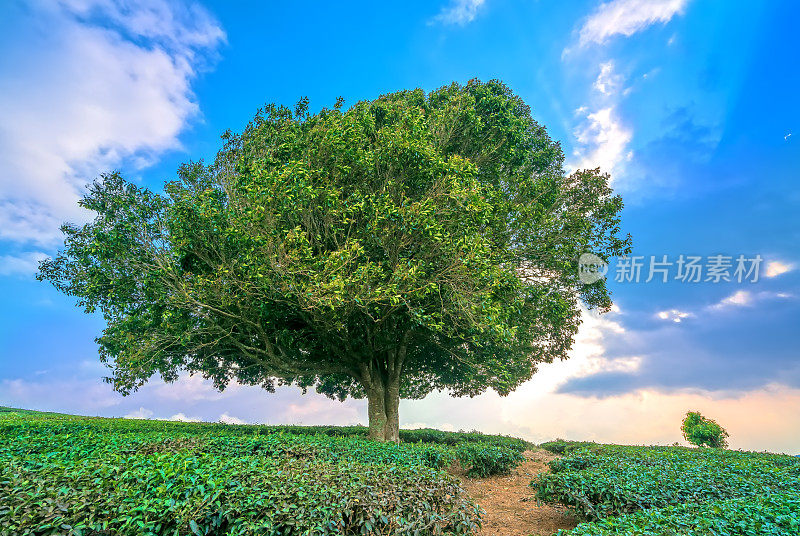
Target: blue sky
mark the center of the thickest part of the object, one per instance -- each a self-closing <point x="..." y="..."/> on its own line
<point x="689" y="104"/>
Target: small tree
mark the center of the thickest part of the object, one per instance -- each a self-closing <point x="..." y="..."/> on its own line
<point x="406" y="244"/>
<point x="703" y="432"/>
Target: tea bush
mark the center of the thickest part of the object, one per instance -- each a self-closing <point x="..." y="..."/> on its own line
<point x="674" y="490"/>
<point x="89" y="476"/>
<point x="562" y="446"/>
<point x="775" y="514"/>
<point x="421" y="435"/>
<point x="481" y="461"/>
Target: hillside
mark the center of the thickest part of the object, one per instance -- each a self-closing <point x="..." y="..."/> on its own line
<point x="77" y="475"/>
<point x="64" y="474"/>
<point x="673" y="490"/>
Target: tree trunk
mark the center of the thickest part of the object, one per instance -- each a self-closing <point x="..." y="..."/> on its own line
<point x="376" y="409"/>
<point x="391" y="398"/>
<point x="383" y="408"/>
<point x="381" y="381"/>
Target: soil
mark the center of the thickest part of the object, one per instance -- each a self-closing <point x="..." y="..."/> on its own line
<point x="510" y="504"/>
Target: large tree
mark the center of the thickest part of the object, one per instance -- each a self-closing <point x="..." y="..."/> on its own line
<point x="412" y="243"/>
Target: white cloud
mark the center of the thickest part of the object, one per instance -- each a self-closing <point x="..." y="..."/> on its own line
<point x="740" y="298"/>
<point x="587" y="357"/>
<point x="674" y="315"/>
<point x="745" y="298"/>
<point x="459" y="12"/>
<point x="313" y="409"/>
<point x="141" y="413"/>
<point x="627" y="17"/>
<point x="603" y="142"/>
<point x="229" y="419"/>
<point x="192" y="388"/>
<point x="602" y="138"/>
<point x="24" y="264"/>
<point x="98" y="83"/>
<point x="538" y="412"/>
<point x="755" y="419"/>
<point x="415" y="425"/>
<point x="181" y="417"/>
<point x="776" y="268"/>
<point x="85" y="393"/>
<point x="608" y="81"/>
<point x="737" y="299"/>
<point x="174" y="25"/>
<point x="59" y="394"/>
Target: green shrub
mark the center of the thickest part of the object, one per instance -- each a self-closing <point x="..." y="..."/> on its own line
<point x="420" y="435"/>
<point x="612" y="480"/>
<point x="82" y="476"/>
<point x="670" y="490"/>
<point x="703" y="432"/>
<point x="486" y="460"/>
<point x="428" y="435"/>
<point x="770" y="515"/>
<point x="562" y="446"/>
<point x="568" y="464"/>
<point x="183" y="494"/>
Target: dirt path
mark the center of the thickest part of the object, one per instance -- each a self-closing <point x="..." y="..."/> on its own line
<point x="510" y="503"/>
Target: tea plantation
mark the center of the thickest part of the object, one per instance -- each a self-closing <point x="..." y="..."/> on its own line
<point x="622" y="490"/>
<point x="67" y="475"/>
<point x="71" y="475"/>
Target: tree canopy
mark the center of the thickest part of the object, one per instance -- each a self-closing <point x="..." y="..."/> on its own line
<point x="703" y="432"/>
<point x="415" y="242"/>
